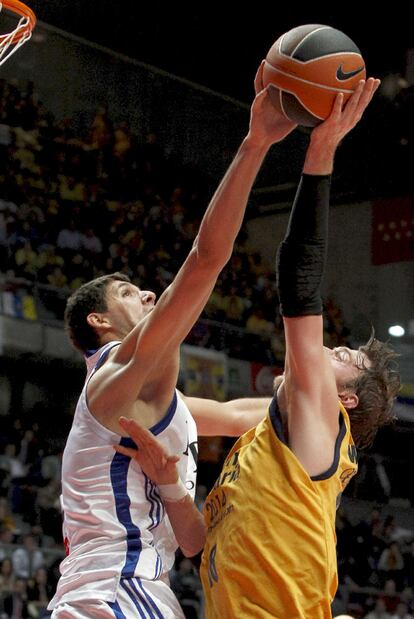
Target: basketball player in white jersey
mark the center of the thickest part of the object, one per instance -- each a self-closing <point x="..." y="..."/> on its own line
<point x="119" y="542"/>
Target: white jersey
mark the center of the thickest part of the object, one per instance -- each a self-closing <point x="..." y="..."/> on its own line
<point x="115" y="525"/>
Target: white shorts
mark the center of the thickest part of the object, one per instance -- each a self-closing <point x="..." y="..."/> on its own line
<point x="136" y="599"/>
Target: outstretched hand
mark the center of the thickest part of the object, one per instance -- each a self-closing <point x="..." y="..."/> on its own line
<point x="343" y="118"/>
<point x="267" y="124"/>
<point x="150" y="454"/>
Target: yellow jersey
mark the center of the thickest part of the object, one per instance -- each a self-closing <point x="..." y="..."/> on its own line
<point x="271" y="544"/>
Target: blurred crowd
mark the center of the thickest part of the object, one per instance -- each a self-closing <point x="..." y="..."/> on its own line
<point x="30" y="521"/>
<point x="376" y="566"/>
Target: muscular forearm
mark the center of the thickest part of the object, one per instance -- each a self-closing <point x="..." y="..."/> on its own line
<point x="231" y="418"/>
<point x="319" y="158"/>
<point x="247" y="405"/>
<point x="188" y="525"/>
<point x="246" y="413"/>
<point x="301" y="255"/>
<point x="224" y="215"/>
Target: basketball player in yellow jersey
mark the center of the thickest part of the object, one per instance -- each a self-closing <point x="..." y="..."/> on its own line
<point x="270" y="518"/>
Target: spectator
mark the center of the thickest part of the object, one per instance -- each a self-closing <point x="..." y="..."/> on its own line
<point x="7" y="520"/>
<point x="69" y="238"/>
<point x="38" y="594"/>
<point x="25" y="261"/>
<point x="234" y="307"/>
<point x="391" y="565"/>
<point x="57" y="278"/>
<point x="9" y="462"/>
<point x="101" y="131"/>
<point x="15" y="605"/>
<point x="390" y="596"/>
<point x="6" y="539"/>
<point x="379" y="611"/>
<point x="90" y="242"/>
<point x="71" y="190"/>
<point x="28" y="558"/>
<point x="409" y="565"/>
<point x="7" y="579"/>
<point x="401" y="612"/>
<point x="393" y="532"/>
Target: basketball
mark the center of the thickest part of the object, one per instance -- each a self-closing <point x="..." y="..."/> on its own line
<point x="308" y="66"/>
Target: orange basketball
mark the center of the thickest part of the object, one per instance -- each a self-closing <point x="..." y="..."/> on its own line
<point x="309" y="66"/>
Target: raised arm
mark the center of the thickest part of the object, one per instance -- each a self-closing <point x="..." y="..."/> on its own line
<point x="309" y="391"/>
<point x="181" y="304"/>
<point x="150" y="345"/>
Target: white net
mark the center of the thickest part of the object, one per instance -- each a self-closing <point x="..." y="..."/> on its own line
<point x="13" y="40"/>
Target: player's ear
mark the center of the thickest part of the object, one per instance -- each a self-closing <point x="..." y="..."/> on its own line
<point x="96" y="320"/>
<point x="349" y="399"/>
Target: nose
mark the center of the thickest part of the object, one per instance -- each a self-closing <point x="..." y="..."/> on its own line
<point x="148" y="297"/>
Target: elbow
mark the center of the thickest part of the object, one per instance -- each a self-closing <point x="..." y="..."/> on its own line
<point x="210" y="255"/>
<point x="192" y="550"/>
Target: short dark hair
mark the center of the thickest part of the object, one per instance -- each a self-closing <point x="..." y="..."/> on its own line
<point x="377" y="387"/>
<point x="90" y="297"/>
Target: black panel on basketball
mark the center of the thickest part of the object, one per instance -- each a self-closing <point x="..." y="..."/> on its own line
<point x="323" y="42"/>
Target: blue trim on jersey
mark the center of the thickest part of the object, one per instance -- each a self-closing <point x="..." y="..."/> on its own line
<point x="89" y="353"/>
<point x="158" y="568"/>
<point x="116" y="609"/>
<point x="161" y="425"/>
<point x="276" y="419"/>
<point x="142" y="601"/>
<point x="156" y="494"/>
<point x="337" y="454"/>
<point x="158" y="613"/>
<point x="119" y="472"/>
<point x="126" y="441"/>
<point x="154" y="499"/>
<point x="148" y="488"/>
<point x="133" y="598"/>
<point x="104" y="356"/>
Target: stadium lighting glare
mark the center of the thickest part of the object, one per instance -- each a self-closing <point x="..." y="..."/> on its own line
<point x="396" y="331"/>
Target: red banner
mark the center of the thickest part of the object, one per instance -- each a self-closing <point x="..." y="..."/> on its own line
<point x="392" y="230"/>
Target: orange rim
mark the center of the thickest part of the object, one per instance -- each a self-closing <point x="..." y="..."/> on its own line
<point x="23" y="11"/>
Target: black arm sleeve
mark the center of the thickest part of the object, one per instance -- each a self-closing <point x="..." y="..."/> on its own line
<point x="301" y="256"/>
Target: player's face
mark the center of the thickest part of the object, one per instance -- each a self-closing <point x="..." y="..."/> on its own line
<point x="346" y="364"/>
<point x="128" y="305"/>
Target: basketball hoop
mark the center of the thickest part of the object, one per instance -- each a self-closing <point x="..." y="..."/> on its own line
<point x="11" y="41"/>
